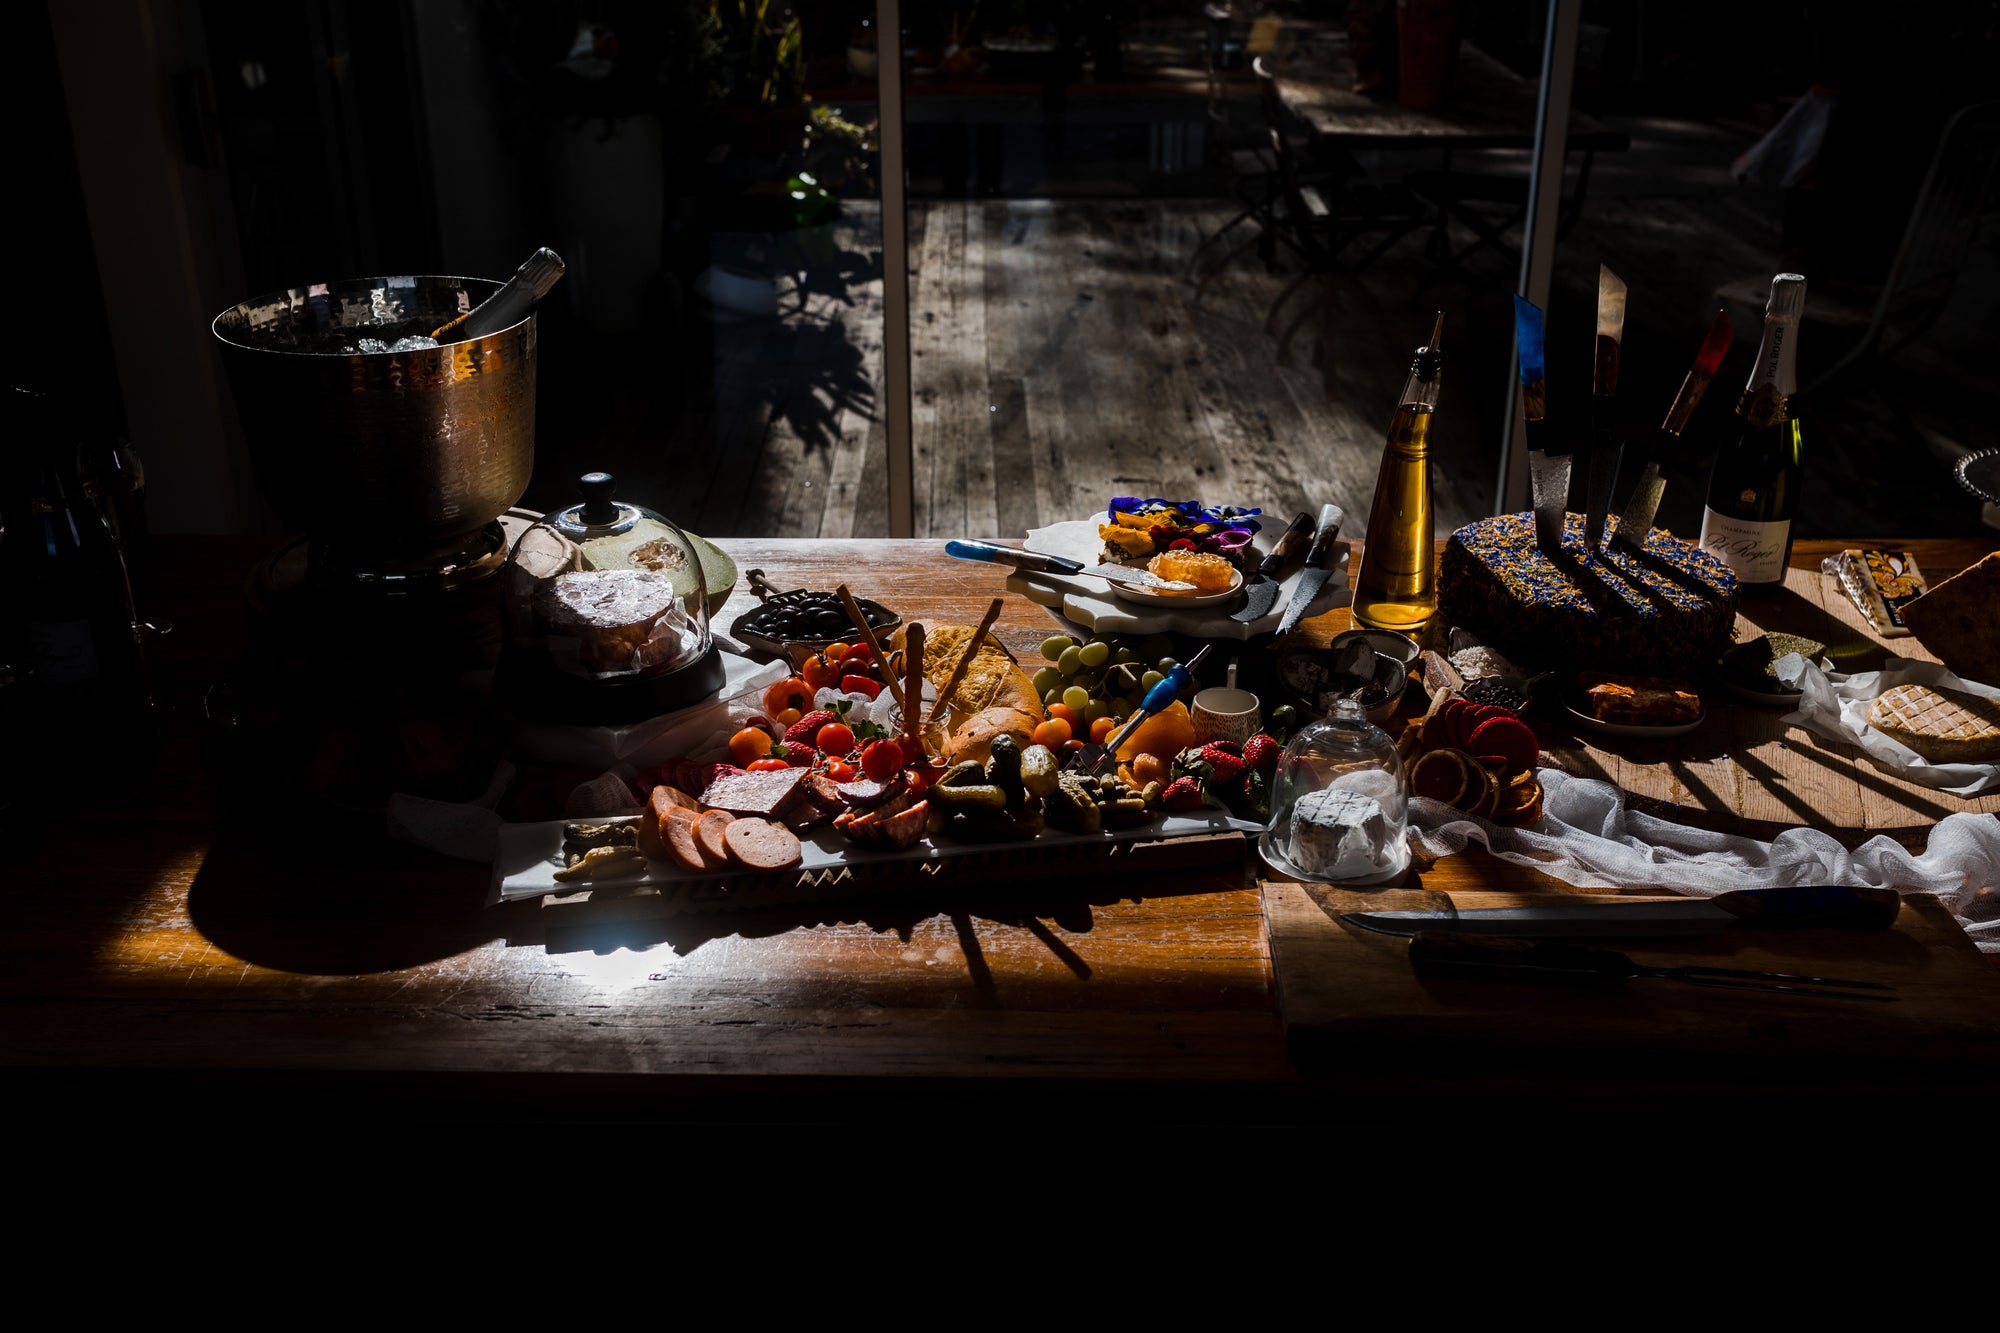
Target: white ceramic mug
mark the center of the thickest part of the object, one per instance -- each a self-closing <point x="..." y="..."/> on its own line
<point x="1222" y="713"/>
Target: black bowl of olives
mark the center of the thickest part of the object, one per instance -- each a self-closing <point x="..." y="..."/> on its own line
<point x="799" y="623"/>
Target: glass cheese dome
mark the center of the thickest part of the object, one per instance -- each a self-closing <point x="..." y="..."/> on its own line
<point x="606" y="614"/>
<point x="1341" y="803"/>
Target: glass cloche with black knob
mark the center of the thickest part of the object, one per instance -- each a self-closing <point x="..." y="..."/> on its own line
<point x="1340" y="803"/>
<point x="606" y="614"/>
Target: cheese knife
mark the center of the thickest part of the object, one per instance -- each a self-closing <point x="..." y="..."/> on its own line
<point x="1548" y="473"/>
<point x="1637" y="521"/>
<point x="1317" y="570"/>
<point x="1605" y="445"/>
<point x="1796" y="906"/>
<point x="1034" y="562"/>
<point x="1263" y="588"/>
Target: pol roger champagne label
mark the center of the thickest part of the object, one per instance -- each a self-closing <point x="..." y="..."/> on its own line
<point x="1756" y="551"/>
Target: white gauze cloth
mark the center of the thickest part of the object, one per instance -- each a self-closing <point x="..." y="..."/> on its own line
<point x="1590" y="839"/>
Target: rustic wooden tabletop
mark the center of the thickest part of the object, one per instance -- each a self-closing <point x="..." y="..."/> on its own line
<point x="160" y="944"/>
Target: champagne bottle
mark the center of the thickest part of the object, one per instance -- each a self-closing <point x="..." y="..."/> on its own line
<point x="1753" y="490"/>
<point x="1397" y="586"/>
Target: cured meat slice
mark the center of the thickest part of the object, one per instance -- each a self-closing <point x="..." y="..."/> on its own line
<point x="757" y="794"/>
<point x="760" y="844"/>
<point x="708" y="831"/>
<point x="680" y="836"/>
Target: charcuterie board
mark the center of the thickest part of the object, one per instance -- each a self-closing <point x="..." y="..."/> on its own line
<point x="832" y="867"/>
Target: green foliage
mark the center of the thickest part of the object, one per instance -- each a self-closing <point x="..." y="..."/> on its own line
<point x="766" y="56"/>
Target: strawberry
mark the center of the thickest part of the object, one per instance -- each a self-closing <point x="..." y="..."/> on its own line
<point x="798" y="754"/>
<point x="1261" y="752"/>
<point x="1226" y="768"/>
<point x="1183" y="794"/>
<point x="808" y="726"/>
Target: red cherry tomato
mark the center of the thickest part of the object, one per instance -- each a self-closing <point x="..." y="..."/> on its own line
<point x="769" y="766"/>
<point x="882" y="760"/>
<point x="1072" y="746"/>
<point x="840" y="770"/>
<point x="867" y="685"/>
<point x="835" y="738"/>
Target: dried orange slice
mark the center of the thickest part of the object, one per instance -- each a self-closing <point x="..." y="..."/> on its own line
<point x="1477" y="798"/>
<point x="1439" y="775"/>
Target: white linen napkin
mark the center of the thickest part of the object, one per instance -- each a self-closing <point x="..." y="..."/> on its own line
<point x="1590" y="839"/>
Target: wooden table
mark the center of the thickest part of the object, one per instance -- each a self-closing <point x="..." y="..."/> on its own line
<point x="165" y="958"/>
<point x="1488" y="106"/>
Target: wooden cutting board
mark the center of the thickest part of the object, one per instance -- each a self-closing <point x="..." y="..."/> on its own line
<point x="1350" y="1001"/>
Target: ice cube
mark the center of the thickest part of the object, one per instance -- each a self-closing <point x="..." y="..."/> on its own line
<point x="416" y="342"/>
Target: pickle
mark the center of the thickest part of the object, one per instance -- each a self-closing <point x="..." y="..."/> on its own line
<point x="965" y="788"/>
<point x="1127" y="812"/>
<point x="1071" y="807"/>
<point x="1003" y="768"/>
<point x="1039" y="770"/>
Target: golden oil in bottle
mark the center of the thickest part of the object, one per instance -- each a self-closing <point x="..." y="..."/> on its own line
<point x="1397" y="586"/>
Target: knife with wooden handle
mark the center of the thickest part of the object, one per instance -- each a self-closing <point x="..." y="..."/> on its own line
<point x="1318" y="567"/>
<point x="1263" y="589"/>
<point x="1636" y="523"/>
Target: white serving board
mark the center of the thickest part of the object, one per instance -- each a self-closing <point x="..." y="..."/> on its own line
<point x="1091" y="603"/>
<point x="530" y="854"/>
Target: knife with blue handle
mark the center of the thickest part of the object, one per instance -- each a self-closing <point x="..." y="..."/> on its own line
<point x="1034" y="562"/>
<point x="1798" y="906"/>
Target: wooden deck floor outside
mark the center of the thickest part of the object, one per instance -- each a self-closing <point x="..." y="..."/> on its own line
<point x="1060" y="356"/>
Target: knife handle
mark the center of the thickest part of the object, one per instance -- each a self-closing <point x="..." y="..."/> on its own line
<point x="1282" y="550"/>
<point x="1330" y="517"/>
<point x="1447" y="954"/>
<point x="1033" y="561"/>
<point x="1813" y="905"/>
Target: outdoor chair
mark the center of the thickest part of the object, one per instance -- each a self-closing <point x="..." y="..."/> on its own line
<point x="1256" y="183"/>
<point x="1489" y="204"/>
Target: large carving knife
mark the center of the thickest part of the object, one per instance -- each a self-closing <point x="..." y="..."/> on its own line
<point x="1605" y="445"/>
<point x="1637" y="520"/>
<point x="1319" y="561"/>
<point x="1262" y="593"/>
<point x="1548" y="473"/>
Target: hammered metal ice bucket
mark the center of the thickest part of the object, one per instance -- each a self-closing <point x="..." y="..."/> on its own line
<point x="389" y="453"/>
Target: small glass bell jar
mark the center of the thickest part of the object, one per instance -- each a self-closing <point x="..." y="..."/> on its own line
<point x="606" y="615"/>
<point x="1341" y="803"/>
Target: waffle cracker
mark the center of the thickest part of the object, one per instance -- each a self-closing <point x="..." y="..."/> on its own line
<point x="1943" y="725"/>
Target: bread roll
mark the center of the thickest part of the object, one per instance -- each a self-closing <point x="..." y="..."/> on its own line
<point x="974" y="737"/>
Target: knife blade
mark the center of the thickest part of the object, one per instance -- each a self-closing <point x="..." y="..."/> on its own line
<point x="1796" y="906"/>
<point x="1605" y="444"/>
<point x="1035" y="562"/>
<point x="1263" y="588"/>
<point x="1636" y="522"/>
<point x="1317" y="570"/>
<point x="1549" y="474"/>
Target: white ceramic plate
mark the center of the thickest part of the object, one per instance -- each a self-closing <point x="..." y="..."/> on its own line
<point x="1141" y="595"/>
<point x="1632" y="729"/>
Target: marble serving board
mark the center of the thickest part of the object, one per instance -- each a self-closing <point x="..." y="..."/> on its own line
<point x="1091" y="603"/>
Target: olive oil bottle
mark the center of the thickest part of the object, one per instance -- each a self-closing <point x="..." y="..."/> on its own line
<point x="1397" y="586"/>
